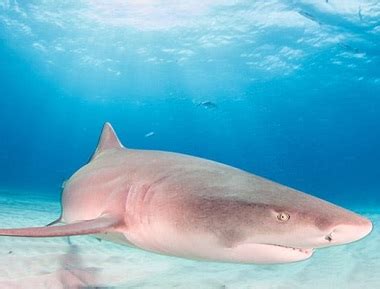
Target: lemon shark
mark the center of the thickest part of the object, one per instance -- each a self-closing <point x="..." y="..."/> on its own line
<point x="190" y="207"/>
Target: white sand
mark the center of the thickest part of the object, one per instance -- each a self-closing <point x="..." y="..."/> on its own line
<point x="88" y="263"/>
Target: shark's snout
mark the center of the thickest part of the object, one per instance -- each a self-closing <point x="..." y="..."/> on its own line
<point x="347" y="233"/>
<point x="338" y="226"/>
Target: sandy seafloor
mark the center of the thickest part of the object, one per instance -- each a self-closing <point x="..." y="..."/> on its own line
<point x="88" y="263"/>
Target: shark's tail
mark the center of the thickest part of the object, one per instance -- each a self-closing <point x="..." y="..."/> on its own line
<point x="99" y="225"/>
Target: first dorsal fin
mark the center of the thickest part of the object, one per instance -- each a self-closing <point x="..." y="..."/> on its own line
<point x="96" y="226"/>
<point x="108" y="140"/>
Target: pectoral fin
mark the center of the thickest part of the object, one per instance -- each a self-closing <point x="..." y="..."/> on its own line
<point x="102" y="224"/>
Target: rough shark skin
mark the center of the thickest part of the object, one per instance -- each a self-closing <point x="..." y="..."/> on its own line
<point x="194" y="208"/>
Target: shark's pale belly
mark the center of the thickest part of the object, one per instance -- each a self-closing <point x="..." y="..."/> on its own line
<point x="167" y="241"/>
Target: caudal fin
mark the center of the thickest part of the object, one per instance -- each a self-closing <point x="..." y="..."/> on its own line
<point x="95" y="226"/>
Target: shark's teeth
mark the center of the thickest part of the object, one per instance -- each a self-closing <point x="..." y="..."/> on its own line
<point x="302" y="250"/>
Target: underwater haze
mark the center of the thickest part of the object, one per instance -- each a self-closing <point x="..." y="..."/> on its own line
<point x="288" y="90"/>
<point x="294" y="88"/>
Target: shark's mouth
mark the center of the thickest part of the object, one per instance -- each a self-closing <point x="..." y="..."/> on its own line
<point x="268" y="253"/>
<point x="307" y="251"/>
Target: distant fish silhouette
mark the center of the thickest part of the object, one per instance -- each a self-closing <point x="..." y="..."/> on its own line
<point x="309" y="16"/>
<point x="149" y="134"/>
<point x="208" y="104"/>
<point x="349" y="47"/>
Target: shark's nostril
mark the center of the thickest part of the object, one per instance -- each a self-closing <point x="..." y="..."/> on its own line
<point x="347" y="233"/>
<point x="328" y="238"/>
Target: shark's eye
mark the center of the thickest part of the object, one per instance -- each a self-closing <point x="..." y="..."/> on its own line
<point x="283" y="217"/>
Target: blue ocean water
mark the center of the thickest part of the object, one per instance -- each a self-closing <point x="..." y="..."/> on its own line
<point x="288" y="90"/>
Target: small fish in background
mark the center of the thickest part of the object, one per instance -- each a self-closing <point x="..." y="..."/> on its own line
<point x="149" y="134"/>
<point x="309" y="16"/>
<point x="208" y="104"/>
<point x="349" y="48"/>
<point x="360" y="13"/>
